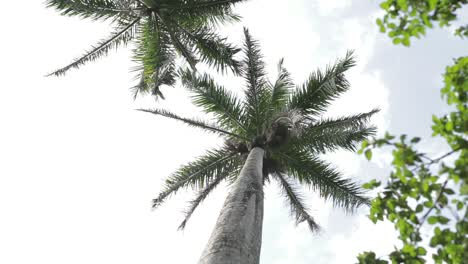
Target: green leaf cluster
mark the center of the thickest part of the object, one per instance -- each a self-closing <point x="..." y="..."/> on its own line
<point x="423" y="191"/>
<point x="405" y="19"/>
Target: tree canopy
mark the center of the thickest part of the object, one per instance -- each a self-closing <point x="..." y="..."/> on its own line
<point x="426" y="198"/>
<point x="161" y="30"/>
<point x="284" y="120"/>
<point x="404" y="19"/>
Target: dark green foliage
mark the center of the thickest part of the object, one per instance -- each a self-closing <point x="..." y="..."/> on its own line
<point x="404" y="19"/>
<point x="419" y="194"/>
<point x="268" y="117"/>
<point x="161" y="30"/>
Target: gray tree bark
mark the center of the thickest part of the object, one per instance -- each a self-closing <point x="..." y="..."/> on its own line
<point x="237" y="236"/>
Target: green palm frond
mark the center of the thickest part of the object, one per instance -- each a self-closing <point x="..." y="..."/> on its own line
<point x="296" y="202"/>
<point x="193" y="122"/>
<point x="191" y="4"/>
<point x="200" y="173"/>
<point x="213" y="98"/>
<point x="213" y="50"/>
<point x="94" y="9"/>
<point x="162" y="29"/>
<point x="281" y="89"/>
<point x="154" y="58"/>
<point x="179" y="44"/>
<point x="318" y="175"/>
<point x="122" y="36"/>
<point x="201" y="196"/>
<point x="322" y="87"/>
<point x="197" y="13"/>
<point x="335" y="133"/>
<point x="256" y="94"/>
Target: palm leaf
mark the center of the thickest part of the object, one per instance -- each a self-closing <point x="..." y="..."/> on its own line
<point x="124" y="34"/>
<point x="199" y="173"/>
<point x="217" y="100"/>
<point x="281" y="88"/>
<point x="193" y="122"/>
<point x="94" y="9"/>
<point x="193" y="14"/>
<point x="181" y="46"/>
<point x="295" y="201"/>
<point x="318" y="175"/>
<point x="256" y="94"/>
<point x="322" y="87"/>
<point x="201" y="195"/>
<point x="332" y="134"/>
<point x="213" y="50"/>
<point x="154" y="57"/>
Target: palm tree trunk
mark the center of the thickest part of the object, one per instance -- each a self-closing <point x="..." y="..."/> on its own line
<point x="237" y="236"/>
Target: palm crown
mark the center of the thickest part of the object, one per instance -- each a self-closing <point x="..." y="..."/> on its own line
<point x="161" y="29"/>
<point x="284" y="121"/>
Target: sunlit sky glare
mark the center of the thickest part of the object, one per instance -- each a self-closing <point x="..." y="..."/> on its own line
<point x="79" y="166"/>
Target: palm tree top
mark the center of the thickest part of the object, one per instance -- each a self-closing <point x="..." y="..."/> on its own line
<point x="285" y="121"/>
<point x="161" y="30"/>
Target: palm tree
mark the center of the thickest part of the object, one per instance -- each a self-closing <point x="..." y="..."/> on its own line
<point x="161" y="29"/>
<point x="274" y="133"/>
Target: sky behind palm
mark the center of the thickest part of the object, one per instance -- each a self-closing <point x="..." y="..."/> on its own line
<point x="79" y="167"/>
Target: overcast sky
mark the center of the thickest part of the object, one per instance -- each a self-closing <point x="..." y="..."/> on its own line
<point x="79" y="167"/>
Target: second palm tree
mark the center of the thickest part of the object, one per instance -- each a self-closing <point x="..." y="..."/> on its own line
<point x="275" y="133"/>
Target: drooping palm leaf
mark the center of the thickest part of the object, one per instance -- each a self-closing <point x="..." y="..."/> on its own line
<point x="296" y="202"/>
<point x="321" y="177"/>
<point x="199" y="173"/>
<point x="154" y="57"/>
<point x="209" y="187"/>
<point x="122" y="36"/>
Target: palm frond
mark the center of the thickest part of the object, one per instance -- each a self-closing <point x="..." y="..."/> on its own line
<point x="193" y="4"/>
<point x="319" y="176"/>
<point x="193" y="14"/>
<point x="181" y="46"/>
<point x="94" y="9"/>
<point x="199" y="173"/>
<point x="296" y="202"/>
<point x="335" y="133"/>
<point x="281" y="88"/>
<point x="257" y="94"/>
<point x="213" y="50"/>
<point x="322" y="87"/>
<point x="215" y="99"/>
<point x="155" y="59"/>
<point x="121" y="37"/>
<point x="193" y="122"/>
<point x="201" y="195"/>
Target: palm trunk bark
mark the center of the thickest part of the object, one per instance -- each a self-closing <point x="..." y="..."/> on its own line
<point x="237" y="236"/>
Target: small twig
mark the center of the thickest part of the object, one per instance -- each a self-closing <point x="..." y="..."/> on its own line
<point x="454" y="213"/>
<point x="445" y="155"/>
<point x="434" y="206"/>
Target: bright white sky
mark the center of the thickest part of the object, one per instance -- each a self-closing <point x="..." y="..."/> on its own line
<point x="79" y="167"/>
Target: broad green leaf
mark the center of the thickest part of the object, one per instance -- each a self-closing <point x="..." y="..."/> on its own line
<point x="432" y="220"/>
